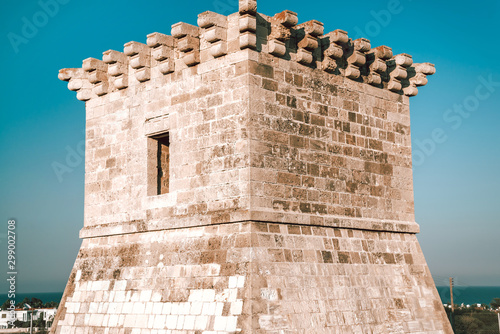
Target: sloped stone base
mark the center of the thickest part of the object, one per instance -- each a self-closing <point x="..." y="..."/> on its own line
<point x="251" y="278"/>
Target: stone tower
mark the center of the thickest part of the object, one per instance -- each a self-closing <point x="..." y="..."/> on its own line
<point x="249" y="175"/>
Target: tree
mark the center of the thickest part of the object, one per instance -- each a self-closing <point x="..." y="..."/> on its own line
<point x="5" y="305"/>
<point x="20" y="324"/>
<point x="26" y="300"/>
<point x="495" y="303"/>
<point x="36" y="303"/>
<point x="33" y="302"/>
<point x="51" y="304"/>
<point x="40" y="324"/>
<point x="16" y="324"/>
<point x="467" y="324"/>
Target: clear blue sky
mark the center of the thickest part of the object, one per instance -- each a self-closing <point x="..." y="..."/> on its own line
<point x="456" y="182"/>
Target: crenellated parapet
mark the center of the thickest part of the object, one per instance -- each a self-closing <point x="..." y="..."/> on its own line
<point x="217" y="36"/>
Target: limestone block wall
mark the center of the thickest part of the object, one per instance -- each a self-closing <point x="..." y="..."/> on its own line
<point x="326" y="150"/>
<point x="206" y="116"/>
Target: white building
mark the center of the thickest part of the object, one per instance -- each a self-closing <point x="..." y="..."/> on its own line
<point x="46" y="314"/>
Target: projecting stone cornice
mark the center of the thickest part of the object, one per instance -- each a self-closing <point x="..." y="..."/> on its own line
<point x="218" y="36"/>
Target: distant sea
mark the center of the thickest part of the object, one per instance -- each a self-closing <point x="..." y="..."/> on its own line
<point x="461" y="294"/>
<point x="469" y="295"/>
<point x="43" y="296"/>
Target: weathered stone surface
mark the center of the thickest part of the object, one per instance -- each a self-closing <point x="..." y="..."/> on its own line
<point x="240" y="184"/>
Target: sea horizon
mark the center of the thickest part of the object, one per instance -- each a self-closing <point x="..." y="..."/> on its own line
<point x="466" y="295"/>
<point x="43" y="296"/>
<point x="469" y="295"/>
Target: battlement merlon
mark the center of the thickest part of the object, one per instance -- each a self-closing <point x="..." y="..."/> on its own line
<point x="279" y="35"/>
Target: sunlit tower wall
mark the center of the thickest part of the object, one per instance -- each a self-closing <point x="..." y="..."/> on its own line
<point x="249" y="175"/>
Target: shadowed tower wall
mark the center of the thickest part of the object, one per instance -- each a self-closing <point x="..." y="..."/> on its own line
<point x="249" y="175"/>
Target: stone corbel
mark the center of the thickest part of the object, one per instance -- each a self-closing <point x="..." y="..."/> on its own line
<point x="117" y="67"/>
<point x="97" y="75"/>
<point x="377" y="59"/>
<point x="188" y="42"/>
<point x="417" y="76"/>
<point x="358" y="57"/>
<point x="280" y="32"/>
<point x="214" y="32"/>
<point x="307" y="34"/>
<point x="78" y="81"/>
<point x="162" y="51"/>
<point x="397" y="71"/>
<point x="139" y="56"/>
<point x="333" y="49"/>
<point x="248" y="24"/>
